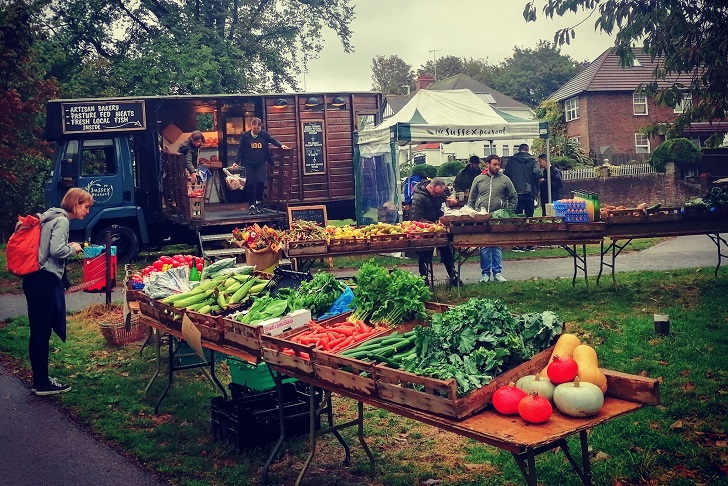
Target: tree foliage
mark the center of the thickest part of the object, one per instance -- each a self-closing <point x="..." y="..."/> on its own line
<point x="559" y="143"/>
<point x="531" y="75"/>
<point x="23" y="93"/>
<point x="684" y="37"/>
<point x="150" y="47"/>
<point x="391" y="75"/>
<point x="448" y="66"/>
<point x="679" y="150"/>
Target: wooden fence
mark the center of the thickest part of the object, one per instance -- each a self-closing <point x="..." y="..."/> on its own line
<point x="614" y="170"/>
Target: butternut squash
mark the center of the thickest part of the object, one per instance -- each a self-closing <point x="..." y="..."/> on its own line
<point x="565" y="346"/>
<point x="586" y="357"/>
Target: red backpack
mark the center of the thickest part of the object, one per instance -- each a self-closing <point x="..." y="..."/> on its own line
<point x="21" y="251"/>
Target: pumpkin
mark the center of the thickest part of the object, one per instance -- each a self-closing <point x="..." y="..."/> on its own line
<point x="586" y="357"/>
<point x="505" y="399"/>
<point x="562" y="369"/>
<point x="534" y="408"/>
<point x="578" y="399"/>
<point x="534" y="383"/>
<point x="564" y="347"/>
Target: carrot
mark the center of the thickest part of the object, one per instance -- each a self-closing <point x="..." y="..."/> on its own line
<point x="336" y="341"/>
<point x="305" y="356"/>
<point x="346" y="342"/>
<point x="288" y="351"/>
<point x="346" y="330"/>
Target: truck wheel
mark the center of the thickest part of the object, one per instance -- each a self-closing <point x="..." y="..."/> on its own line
<point x="124" y="239"/>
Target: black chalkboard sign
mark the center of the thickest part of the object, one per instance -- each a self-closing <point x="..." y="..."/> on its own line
<point x="314" y="161"/>
<point x="107" y="116"/>
<point x="317" y="214"/>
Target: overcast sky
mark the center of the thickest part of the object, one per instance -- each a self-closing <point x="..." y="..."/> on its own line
<point x="411" y="29"/>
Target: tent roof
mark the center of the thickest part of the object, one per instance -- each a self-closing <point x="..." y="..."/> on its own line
<point x="449" y="116"/>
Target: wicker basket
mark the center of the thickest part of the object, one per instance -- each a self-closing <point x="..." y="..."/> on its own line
<point x="116" y="334"/>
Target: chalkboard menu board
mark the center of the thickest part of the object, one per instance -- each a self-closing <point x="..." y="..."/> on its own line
<point x="313" y="147"/>
<point x="107" y="116"/>
<point x="317" y="214"/>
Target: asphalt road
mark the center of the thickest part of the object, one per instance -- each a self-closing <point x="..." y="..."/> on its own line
<point x="40" y="444"/>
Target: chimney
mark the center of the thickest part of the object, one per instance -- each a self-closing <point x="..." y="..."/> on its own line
<point x="423" y="81"/>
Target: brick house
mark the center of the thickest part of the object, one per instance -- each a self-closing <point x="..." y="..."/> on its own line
<point x="604" y="112"/>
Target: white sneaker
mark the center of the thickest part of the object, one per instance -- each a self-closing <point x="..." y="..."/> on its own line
<point x="498" y="277"/>
<point x="485" y="278"/>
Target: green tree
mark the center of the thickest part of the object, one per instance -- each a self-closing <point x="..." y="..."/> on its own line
<point x="531" y="75"/>
<point x="679" y="150"/>
<point x="447" y="66"/>
<point x="391" y="75"/>
<point x="177" y="47"/>
<point x="685" y="37"/>
<point x="23" y="93"/>
<point x="559" y="143"/>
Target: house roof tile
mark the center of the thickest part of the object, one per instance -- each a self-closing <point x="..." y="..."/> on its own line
<point x="606" y="74"/>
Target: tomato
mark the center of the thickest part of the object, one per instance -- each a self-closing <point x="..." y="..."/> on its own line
<point x="534" y="408"/>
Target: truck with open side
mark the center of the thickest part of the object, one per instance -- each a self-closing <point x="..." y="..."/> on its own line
<point x="124" y="152"/>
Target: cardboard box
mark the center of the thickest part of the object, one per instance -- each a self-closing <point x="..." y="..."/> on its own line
<point x="291" y="321"/>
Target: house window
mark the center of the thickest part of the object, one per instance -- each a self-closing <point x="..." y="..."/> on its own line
<point x="639" y="103"/>
<point x="506" y="151"/>
<point x="486" y="150"/>
<point x="684" y="104"/>
<point x="571" y="109"/>
<point x="641" y="143"/>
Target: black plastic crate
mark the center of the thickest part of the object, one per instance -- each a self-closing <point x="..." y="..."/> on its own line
<point x="252" y="421"/>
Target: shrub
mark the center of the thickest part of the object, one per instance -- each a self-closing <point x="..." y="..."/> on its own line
<point x="679" y="150"/>
<point x="451" y="168"/>
<point x="564" y="163"/>
<point x="425" y="171"/>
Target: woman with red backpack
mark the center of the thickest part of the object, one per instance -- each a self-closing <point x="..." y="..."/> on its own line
<point x="44" y="290"/>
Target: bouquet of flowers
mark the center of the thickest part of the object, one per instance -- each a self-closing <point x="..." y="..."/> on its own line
<point x="258" y="238"/>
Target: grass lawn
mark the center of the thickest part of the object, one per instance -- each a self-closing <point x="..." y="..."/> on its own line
<point x="684" y="441"/>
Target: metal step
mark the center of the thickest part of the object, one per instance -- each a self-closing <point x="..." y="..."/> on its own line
<point x="223" y="252"/>
<point x="218" y="237"/>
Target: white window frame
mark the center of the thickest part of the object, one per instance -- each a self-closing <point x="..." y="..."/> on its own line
<point x="684" y="104"/>
<point x="639" y="102"/>
<point x="506" y="151"/>
<point x="642" y="144"/>
<point x="571" y="109"/>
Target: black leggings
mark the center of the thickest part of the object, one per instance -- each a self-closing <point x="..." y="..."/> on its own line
<point x="46" y="312"/>
<point x="255" y="179"/>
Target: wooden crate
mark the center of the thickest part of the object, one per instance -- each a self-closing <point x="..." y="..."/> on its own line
<point x="626" y="216"/>
<point x="197" y="207"/>
<point x="663" y="215"/>
<point x="439" y="396"/>
<point x="212" y="328"/>
<point x="242" y="336"/>
<point x="580" y="230"/>
<point x="272" y="351"/>
<point x="418" y="240"/>
<point x="342" y="245"/>
<point x="468" y="226"/>
<point x="348" y="373"/>
<point x="546" y="223"/>
<point x="307" y="247"/>
<point x="164" y="314"/>
<point x="388" y="242"/>
<point x="509" y="225"/>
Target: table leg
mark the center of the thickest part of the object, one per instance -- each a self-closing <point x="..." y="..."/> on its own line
<point x="579" y="263"/>
<point x="158" y="344"/>
<point x="527" y="466"/>
<point x="717" y="239"/>
<point x="360" y="434"/>
<point x="213" y="377"/>
<point x="278" y="379"/>
<point x="170" y="373"/>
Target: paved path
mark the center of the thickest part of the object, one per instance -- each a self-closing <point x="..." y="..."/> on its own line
<point x="41" y="445"/>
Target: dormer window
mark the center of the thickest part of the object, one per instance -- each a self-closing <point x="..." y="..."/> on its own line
<point x="684" y="103"/>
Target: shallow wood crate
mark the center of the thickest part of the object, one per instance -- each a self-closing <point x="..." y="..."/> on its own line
<point x="212" y="328"/>
<point x="342" y="245"/>
<point x="440" y="396"/>
<point x="165" y="314"/>
<point x="663" y="215"/>
<point x="388" y="242"/>
<point x="417" y="240"/>
<point x="271" y="350"/>
<point x="242" y="336"/>
<point x="470" y="225"/>
<point x="546" y="223"/>
<point x="349" y="373"/>
<point x="626" y="216"/>
<point x="509" y="225"/>
<point x="307" y="247"/>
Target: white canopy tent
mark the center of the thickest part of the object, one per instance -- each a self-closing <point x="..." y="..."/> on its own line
<point x="430" y="116"/>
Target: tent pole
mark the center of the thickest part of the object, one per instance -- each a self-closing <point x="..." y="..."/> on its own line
<point x="548" y="171"/>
